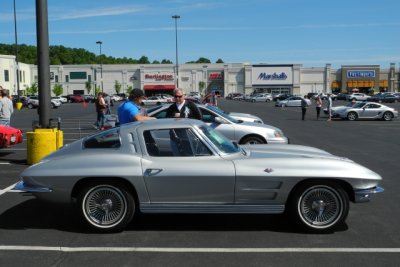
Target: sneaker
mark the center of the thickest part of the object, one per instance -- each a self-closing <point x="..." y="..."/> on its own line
<point x="95" y="127"/>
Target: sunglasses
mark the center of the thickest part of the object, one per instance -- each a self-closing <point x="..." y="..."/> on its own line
<point x="178" y="96"/>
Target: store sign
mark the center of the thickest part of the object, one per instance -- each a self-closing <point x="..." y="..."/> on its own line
<point x="215" y="76"/>
<point x="361" y="74"/>
<point x="159" y="77"/>
<point x="272" y="76"/>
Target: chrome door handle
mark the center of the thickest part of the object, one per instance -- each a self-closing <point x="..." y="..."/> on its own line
<point x="152" y="172"/>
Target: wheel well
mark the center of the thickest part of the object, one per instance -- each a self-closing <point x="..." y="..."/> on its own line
<point x="252" y="135"/>
<point x="127" y="185"/>
<point x="345" y="185"/>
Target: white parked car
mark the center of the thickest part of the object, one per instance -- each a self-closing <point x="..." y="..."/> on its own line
<point x="116" y="98"/>
<point x="357" y="97"/>
<point x="155" y="100"/>
<point x="62" y="99"/>
<point x="33" y="102"/>
<point x="294" y="101"/>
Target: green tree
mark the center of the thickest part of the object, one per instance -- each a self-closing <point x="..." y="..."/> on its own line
<point x="155" y="62"/>
<point x="201" y="60"/>
<point x="88" y="87"/>
<point x="97" y="90"/>
<point x="117" y="87"/>
<point x="219" y="61"/>
<point x="58" y="89"/>
<point x="129" y="89"/>
<point x="202" y="85"/>
<point x="166" y="61"/>
<point x="32" y="90"/>
<point x="144" y="60"/>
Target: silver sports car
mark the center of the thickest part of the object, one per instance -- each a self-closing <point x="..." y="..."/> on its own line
<point x="238" y="130"/>
<point x="185" y="166"/>
<point x="367" y="110"/>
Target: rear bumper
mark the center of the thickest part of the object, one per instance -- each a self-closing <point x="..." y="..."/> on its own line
<point x="364" y="195"/>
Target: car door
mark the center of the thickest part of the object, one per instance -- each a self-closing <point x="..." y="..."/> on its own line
<point x="179" y="168"/>
<point x="371" y="111"/>
<point x="294" y="102"/>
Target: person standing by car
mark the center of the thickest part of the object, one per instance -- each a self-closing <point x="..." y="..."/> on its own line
<point x="130" y="110"/>
<point x="304" y="106"/>
<point x="6" y="107"/>
<point x="318" y="105"/>
<point x="107" y="100"/>
<point x="183" y="108"/>
<point x="100" y="110"/>
<point x="329" y="107"/>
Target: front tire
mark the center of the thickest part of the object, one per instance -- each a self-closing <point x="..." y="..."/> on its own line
<point x="352" y="116"/>
<point x="252" y="140"/>
<point x="319" y="206"/>
<point x="387" y="116"/>
<point x="106" y="207"/>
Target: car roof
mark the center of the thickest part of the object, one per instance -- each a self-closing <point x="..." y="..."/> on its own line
<point x="164" y="123"/>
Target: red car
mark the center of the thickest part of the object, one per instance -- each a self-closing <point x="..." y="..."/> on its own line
<point x="75" y="99"/>
<point x="9" y="136"/>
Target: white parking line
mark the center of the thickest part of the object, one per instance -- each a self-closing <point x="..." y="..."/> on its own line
<point x="5" y="163"/>
<point x="7" y="189"/>
<point x="201" y="250"/>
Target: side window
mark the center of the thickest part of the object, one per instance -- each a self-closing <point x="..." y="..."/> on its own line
<point x="208" y="117"/>
<point x="161" y="115"/>
<point x="178" y="142"/>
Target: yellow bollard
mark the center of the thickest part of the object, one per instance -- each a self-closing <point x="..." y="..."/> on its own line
<point x="41" y="143"/>
<point x="18" y="105"/>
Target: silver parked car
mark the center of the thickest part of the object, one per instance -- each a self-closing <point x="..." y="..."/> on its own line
<point x="241" y="131"/>
<point x="185" y="166"/>
<point x="368" y="110"/>
<point x="293" y="101"/>
<point x="261" y="98"/>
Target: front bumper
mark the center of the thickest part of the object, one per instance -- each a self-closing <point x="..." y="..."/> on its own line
<point x="23" y="187"/>
<point x="364" y="195"/>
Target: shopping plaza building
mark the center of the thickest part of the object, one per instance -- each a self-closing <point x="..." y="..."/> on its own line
<point x="221" y="78"/>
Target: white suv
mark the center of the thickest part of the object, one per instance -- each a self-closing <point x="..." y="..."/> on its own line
<point x="357" y="97"/>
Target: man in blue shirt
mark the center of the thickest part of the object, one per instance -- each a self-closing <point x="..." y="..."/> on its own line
<point x="130" y="110"/>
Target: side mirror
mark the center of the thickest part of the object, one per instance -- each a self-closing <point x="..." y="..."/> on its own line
<point x="219" y="120"/>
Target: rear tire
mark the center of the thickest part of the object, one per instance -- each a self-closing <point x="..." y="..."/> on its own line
<point x="106" y="206"/>
<point x="252" y="140"/>
<point x="319" y="206"/>
<point x="387" y="116"/>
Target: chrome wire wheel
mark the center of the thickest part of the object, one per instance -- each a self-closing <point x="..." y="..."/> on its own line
<point x="320" y="207"/>
<point x="104" y="206"/>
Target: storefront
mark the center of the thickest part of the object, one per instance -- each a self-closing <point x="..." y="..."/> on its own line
<point x="363" y="79"/>
<point x="215" y="82"/>
<point x="273" y="79"/>
<point x="158" y="83"/>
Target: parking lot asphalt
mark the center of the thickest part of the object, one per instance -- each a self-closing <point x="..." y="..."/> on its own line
<point x="44" y="234"/>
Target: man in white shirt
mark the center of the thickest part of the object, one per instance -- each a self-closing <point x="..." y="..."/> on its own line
<point x="6" y="108"/>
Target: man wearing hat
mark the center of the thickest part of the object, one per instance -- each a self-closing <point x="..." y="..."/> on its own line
<point x="130" y="110"/>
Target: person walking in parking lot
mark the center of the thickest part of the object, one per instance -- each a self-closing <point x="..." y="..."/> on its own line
<point x="318" y="105"/>
<point x="107" y="100"/>
<point x="329" y="107"/>
<point x="6" y="107"/>
<point x="130" y="110"/>
<point x="304" y="106"/>
<point x="183" y="108"/>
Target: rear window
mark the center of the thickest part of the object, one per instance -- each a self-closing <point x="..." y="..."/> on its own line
<point x="107" y="139"/>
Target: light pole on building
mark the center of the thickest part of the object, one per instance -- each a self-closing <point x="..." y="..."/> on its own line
<point x="101" y="65"/>
<point x="176" y="17"/>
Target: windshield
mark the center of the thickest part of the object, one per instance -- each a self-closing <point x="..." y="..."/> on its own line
<point x="359" y="105"/>
<point x="219" y="140"/>
<point x="222" y="113"/>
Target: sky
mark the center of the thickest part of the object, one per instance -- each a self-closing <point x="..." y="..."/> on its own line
<point x="308" y="32"/>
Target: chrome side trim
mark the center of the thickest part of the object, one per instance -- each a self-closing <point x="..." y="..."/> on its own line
<point x="21" y="186"/>
<point x="218" y="208"/>
<point x="364" y="195"/>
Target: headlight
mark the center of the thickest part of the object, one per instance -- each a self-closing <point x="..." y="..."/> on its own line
<point x="278" y="134"/>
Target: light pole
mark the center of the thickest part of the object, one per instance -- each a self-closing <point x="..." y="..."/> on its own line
<point x="101" y="66"/>
<point x="16" y="49"/>
<point x="176" y="17"/>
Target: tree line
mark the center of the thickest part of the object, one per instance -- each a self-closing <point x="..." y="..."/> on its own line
<point x="61" y="55"/>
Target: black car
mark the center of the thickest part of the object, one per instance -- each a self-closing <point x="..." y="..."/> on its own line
<point x="341" y="96"/>
<point x="383" y="98"/>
